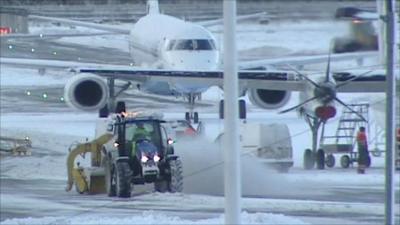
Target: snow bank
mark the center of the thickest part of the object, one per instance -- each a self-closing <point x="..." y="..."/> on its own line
<point x="151" y="217"/>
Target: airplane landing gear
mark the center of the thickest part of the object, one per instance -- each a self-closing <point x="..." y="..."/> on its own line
<point x="313" y="156"/>
<point x="191" y="115"/>
<point x="320" y="159"/>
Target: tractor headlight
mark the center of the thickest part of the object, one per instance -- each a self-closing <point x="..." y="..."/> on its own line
<point x="156" y="158"/>
<point x="144" y="159"/>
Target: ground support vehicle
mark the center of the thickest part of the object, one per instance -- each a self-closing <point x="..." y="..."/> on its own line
<point x="121" y="158"/>
<point x="16" y="146"/>
<point x="362" y="37"/>
<point x="271" y="143"/>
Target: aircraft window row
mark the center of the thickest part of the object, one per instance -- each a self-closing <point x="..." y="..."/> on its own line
<point x="191" y="44"/>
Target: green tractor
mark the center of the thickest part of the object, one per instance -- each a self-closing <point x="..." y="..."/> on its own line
<point x="140" y="152"/>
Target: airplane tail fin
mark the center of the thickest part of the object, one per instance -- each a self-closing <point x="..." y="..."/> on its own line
<point x="152" y="7"/>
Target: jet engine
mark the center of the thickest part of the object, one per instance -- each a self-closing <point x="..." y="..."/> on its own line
<point x="269" y="99"/>
<point x="86" y="92"/>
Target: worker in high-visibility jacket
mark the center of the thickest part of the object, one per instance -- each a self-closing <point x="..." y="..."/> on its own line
<point x="362" y="146"/>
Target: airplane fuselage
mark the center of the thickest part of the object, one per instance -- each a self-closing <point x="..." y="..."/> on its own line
<point x="165" y="42"/>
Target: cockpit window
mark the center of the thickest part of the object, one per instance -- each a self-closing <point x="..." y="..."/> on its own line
<point x="191" y="44"/>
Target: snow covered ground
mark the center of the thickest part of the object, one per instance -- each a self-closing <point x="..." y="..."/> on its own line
<point x="32" y="187"/>
<point x="272" y="198"/>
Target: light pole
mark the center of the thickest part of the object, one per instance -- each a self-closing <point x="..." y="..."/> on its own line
<point x="232" y="184"/>
<point x="390" y="112"/>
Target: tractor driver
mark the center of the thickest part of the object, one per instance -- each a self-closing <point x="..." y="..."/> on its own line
<point x="140" y="133"/>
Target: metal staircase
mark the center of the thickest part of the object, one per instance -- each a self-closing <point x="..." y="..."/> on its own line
<point x="344" y="139"/>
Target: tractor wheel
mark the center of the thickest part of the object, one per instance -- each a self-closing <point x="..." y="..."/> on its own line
<point x="330" y="161"/>
<point x="176" y="182"/>
<point x="109" y="178"/>
<point x="309" y="160"/>
<point x="122" y="174"/>
<point x="345" y="161"/>
<point x="320" y="159"/>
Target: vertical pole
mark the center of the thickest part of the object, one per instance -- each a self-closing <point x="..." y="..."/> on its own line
<point x="390" y="113"/>
<point x="380" y="6"/>
<point x="232" y="182"/>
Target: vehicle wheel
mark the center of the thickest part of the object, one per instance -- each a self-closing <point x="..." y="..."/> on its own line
<point x="176" y="182"/>
<point x="242" y="109"/>
<point x="109" y="178"/>
<point x="309" y="159"/>
<point x="330" y="161"/>
<point x="196" y="117"/>
<point x="345" y="161"/>
<point x="368" y="161"/>
<point x="187" y="117"/>
<point x="122" y="174"/>
<point x="161" y="186"/>
<point x="320" y="159"/>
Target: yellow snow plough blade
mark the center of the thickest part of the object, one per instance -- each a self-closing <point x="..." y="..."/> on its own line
<point x="89" y="180"/>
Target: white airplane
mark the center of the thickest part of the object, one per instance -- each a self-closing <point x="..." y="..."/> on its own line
<point x="176" y="56"/>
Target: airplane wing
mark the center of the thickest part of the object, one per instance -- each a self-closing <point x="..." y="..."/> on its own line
<point x="352" y="82"/>
<point x="257" y="79"/>
<point x="262" y="79"/>
<point x="274" y="80"/>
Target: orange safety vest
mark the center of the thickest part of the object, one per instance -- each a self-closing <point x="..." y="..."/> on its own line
<point x="362" y="138"/>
